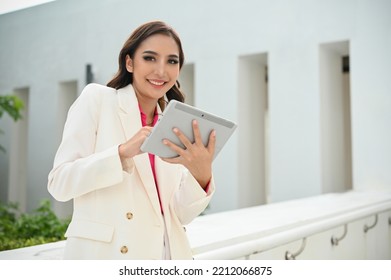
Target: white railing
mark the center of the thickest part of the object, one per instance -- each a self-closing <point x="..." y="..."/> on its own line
<point x="352" y="225"/>
<point x="249" y="233"/>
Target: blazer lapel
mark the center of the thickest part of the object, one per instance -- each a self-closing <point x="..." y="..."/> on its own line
<point x="168" y="176"/>
<point x="129" y="114"/>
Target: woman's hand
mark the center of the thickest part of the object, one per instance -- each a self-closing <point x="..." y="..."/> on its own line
<point x="131" y="147"/>
<point x="195" y="157"/>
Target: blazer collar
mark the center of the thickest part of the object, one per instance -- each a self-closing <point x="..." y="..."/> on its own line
<point x="127" y="99"/>
<point x="128" y="102"/>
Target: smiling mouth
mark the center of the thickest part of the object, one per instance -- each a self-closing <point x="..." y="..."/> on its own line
<point x="156" y="83"/>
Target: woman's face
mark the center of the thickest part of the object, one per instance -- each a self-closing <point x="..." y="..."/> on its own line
<point x="155" y="67"/>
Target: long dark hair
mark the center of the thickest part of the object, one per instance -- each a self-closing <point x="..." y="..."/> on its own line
<point x="123" y="78"/>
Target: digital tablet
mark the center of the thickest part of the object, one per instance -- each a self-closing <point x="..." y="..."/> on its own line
<point x="181" y="115"/>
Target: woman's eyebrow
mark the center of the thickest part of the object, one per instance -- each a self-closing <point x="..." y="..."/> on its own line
<point x="155" y="53"/>
<point x="150" y="52"/>
<point x="173" y="56"/>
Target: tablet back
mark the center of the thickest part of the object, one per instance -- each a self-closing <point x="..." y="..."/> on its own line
<point x="181" y="115"/>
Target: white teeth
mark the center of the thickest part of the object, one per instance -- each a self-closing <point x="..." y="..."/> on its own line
<point x="156" y="83"/>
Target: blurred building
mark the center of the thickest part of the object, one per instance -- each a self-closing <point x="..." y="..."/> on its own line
<point x="308" y="83"/>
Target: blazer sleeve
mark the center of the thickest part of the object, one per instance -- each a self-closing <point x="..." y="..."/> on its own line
<point x="191" y="199"/>
<point x="77" y="169"/>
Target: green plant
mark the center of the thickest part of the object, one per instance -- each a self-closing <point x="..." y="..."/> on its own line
<point x="22" y="229"/>
<point x="12" y="105"/>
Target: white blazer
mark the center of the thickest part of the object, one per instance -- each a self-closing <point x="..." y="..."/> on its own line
<point x="116" y="209"/>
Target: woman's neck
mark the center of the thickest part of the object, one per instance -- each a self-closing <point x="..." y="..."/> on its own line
<point x="147" y="105"/>
<point x="148" y="109"/>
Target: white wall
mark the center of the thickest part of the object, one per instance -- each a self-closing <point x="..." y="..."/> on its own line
<point x="46" y="45"/>
<point x="371" y="98"/>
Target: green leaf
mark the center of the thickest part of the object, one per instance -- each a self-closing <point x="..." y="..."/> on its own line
<point x="12" y="105"/>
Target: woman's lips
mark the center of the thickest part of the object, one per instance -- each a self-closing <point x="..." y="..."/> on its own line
<point x="157" y="83"/>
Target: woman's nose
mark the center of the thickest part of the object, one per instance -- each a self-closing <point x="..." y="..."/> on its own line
<point x="160" y="68"/>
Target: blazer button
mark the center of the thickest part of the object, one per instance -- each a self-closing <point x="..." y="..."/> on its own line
<point x="124" y="249"/>
<point x="129" y="215"/>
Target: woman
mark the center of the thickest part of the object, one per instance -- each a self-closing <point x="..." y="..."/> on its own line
<point x="128" y="204"/>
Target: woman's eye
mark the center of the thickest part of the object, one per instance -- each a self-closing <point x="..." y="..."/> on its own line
<point x="173" y="61"/>
<point x="149" y="58"/>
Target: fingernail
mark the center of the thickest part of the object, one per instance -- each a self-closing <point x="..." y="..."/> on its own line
<point x="175" y="130"/>
<point x="165" y="142"/>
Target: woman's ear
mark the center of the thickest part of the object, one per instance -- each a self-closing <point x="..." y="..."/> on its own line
<point x="129" y="64"/>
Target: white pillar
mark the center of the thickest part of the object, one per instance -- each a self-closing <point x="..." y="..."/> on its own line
<point x="252" y="131"/>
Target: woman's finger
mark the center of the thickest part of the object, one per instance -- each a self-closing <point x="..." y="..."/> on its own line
<point x="182" y="137"/>
<point x="212" y="142"/>
<point x="173" y="147"/>
<point x="196" y="132"/>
